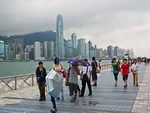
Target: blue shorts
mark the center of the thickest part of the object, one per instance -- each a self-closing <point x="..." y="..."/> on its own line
<point x="94" y="76"/>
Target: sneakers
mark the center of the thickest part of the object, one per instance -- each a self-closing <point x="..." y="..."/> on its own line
<point x="53" y="110"/>
<point x="94" y="85"/>
<point x="90" y="94"/>
<point x="81" y="95"/>
<point x="42" y="99"/>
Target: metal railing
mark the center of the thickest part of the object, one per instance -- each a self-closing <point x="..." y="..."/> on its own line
<point x="25" y="80"/>
<point x="16" y="82"/>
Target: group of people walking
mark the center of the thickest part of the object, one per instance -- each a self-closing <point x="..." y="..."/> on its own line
<point x="125" y="68"/>
<point x="84" y="73"/>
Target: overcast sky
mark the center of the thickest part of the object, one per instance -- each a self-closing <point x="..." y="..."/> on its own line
<point x="125" y="23"/>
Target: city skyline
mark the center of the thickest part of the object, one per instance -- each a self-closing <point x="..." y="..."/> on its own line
<point x="122" y="23"/>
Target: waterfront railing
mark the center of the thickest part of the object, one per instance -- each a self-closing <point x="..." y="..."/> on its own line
<point x="16" y="82"/>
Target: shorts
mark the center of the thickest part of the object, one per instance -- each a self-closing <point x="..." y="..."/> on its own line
<point x="73" y="89"/>
<point x="125" y="77"/>
<point x="94" y="76"/>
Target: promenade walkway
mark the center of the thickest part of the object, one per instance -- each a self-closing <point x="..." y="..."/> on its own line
<point x="106" y="97"/>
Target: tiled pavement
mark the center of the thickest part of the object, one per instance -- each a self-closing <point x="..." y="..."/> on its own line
<point x="106" y="97"/>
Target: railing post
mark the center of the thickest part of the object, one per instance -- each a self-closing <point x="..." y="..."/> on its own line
<point x="32" y="79"/>
<point x="15" y="83"/>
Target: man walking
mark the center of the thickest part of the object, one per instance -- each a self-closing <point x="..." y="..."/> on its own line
<point x="134" y="70"/>
<point x="86" y="74"/>
<point x="41" y="81"/>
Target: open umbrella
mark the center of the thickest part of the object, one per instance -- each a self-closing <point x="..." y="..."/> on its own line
<point x="54" y="83"/>
<point x="79" y="62"/>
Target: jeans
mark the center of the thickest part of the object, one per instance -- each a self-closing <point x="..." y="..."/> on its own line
<point x="53" y="102"/>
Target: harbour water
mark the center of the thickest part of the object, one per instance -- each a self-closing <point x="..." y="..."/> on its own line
<point x="18" y="68"/>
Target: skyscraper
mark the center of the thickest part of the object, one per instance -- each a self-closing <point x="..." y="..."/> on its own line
<point x="81" y="47"/>
<point x="50" y="50"/>
<point x="74" y="44"/>
<point x="45" y="49"/>
<point x="116" y="51"/>
<point x="2" y="53"/>
<point x="59" y="37"/>
<point x="110" y="51"/>
<point x="69" y="49"/>
<point x="37" y="51"/>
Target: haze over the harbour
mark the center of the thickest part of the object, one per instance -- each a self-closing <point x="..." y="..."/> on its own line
<point x="125" y="23"/>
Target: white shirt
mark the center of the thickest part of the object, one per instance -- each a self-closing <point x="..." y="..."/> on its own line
<point x="134" y="68"/>
<point x="84" y="70"/>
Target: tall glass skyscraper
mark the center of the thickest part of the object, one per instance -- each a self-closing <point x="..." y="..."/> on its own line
<point x="74" y="44"/>
<point x="2" y="53"/>
<point x="59" y="37"/>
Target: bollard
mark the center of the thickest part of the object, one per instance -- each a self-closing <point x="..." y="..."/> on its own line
<point x="32" y="79"/>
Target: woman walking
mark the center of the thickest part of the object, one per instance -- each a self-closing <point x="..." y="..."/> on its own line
<point x="58" y="67"/>
<point x="115" y="69"/>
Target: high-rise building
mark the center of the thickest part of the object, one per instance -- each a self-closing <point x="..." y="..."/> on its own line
<point x="7" y="50"/>
<point x="87" y="49"/>
<point x="60" y="37"/>
<point x="90" y="47"/>
<point x="100" y="53"/>
<point x="2" y="53"/>
<point x="110" y="51"/>
<point x="45" y="49"/>
<point x="42" y="49"/>
<point x="116" y="51"/>
<point x="50" y="50"/>
<point x="74" y="44"/>
<point x="69" y="48"/>
<point x="37" y="50"/>
<point x="81" y="47"/>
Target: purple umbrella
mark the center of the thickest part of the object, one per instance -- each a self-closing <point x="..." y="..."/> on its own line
<point x="79" y="62"/>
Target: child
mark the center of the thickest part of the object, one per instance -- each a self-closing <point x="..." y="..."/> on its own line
<point x="125" y="71"/>
<point x="134" y="70"/>
<point x="72" y="81"/>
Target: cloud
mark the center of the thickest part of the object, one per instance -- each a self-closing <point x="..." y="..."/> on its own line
<point x="105" y="22"/>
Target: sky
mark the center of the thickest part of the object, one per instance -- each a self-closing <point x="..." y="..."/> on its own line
<point x="123" y="23"/>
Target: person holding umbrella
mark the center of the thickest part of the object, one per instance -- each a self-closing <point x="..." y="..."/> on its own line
<point x="59" y="68"/>
<point x="72" y="81"/>
<point x="86" y="74"/>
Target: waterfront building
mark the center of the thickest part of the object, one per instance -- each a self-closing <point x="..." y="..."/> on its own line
<point x="59" y="37"/>
<point x="81" y="47"/>
<point x="2" y="51"/>
<point x="69" y="49"/>
<point x="74" y="44"/>
<point x="116" y="51"/>
<point x="110" y="51"/>
<point x="50" y="50"/>
<point x="37" y="50"/>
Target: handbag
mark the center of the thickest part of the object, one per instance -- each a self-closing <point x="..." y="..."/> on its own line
<point x="85" y="77"/>
<point x="97" y="70"/>
<point x="64" y="73"/>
